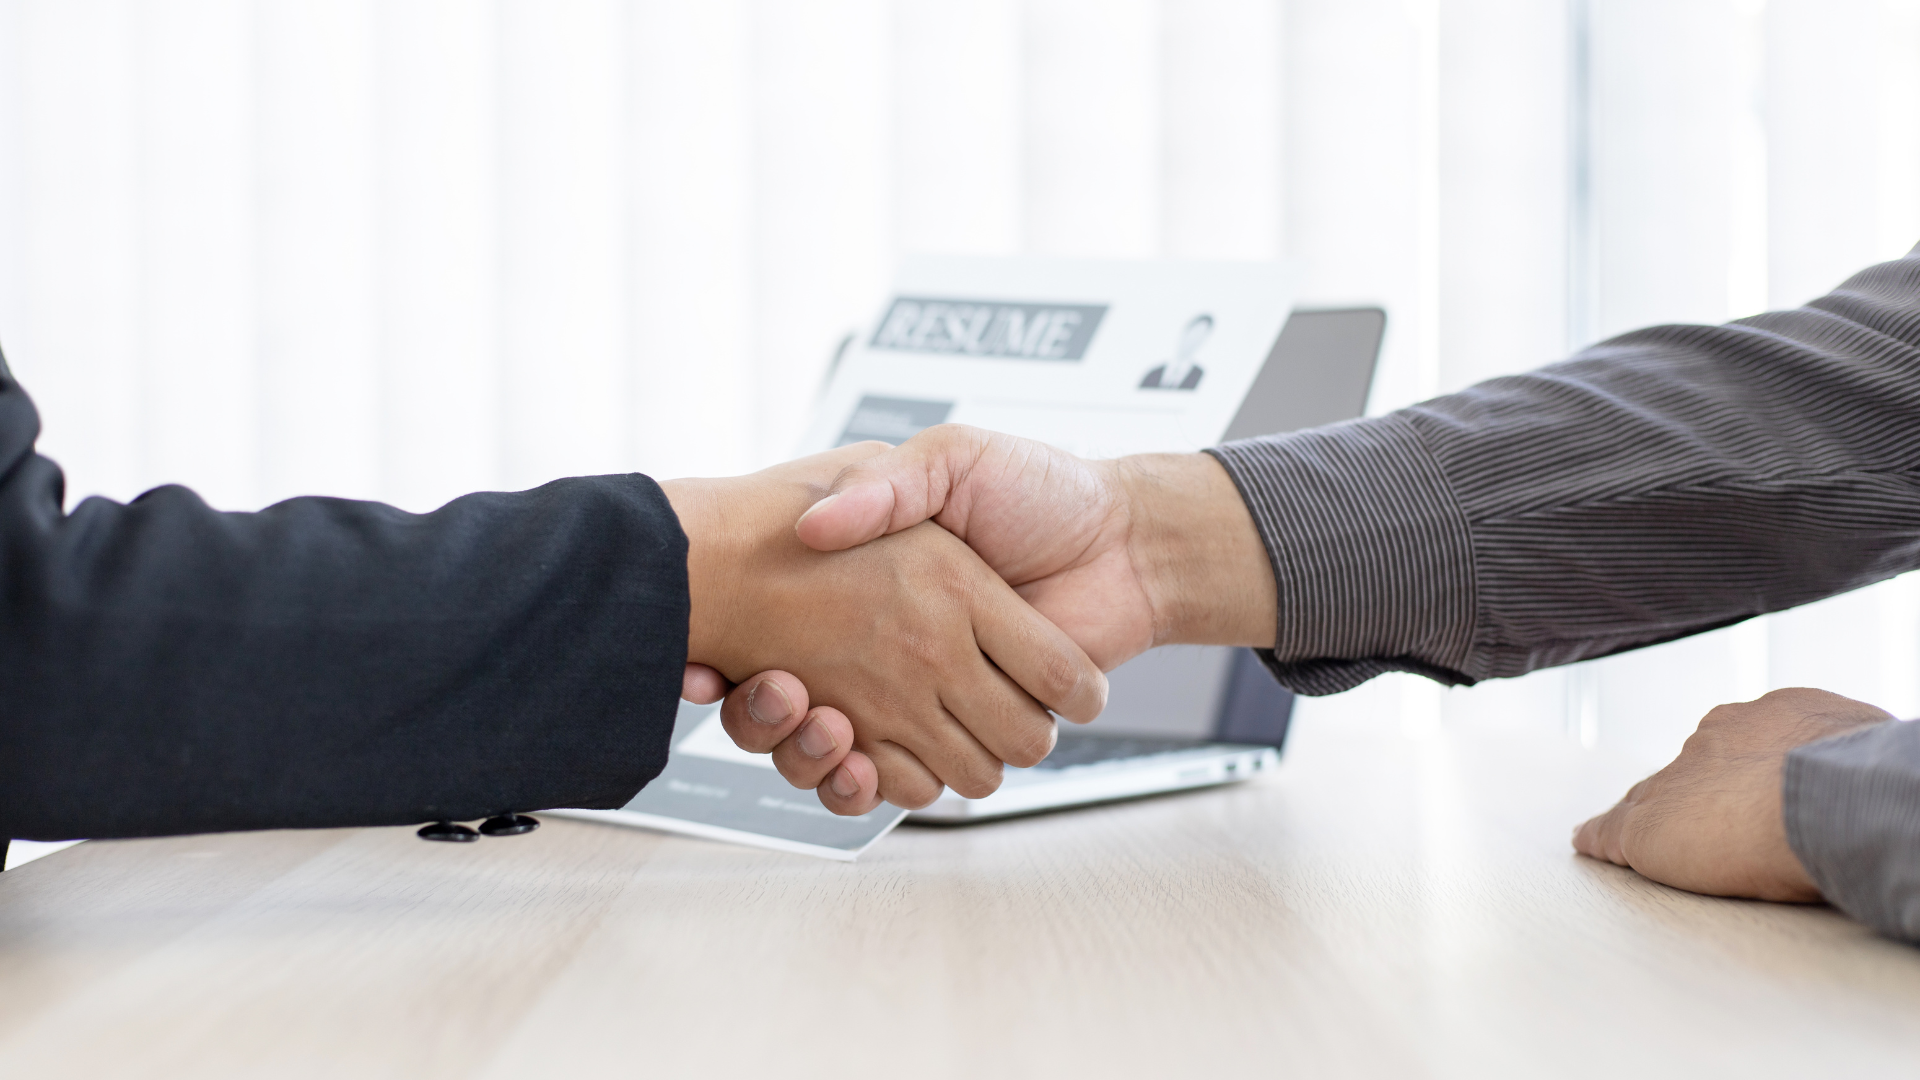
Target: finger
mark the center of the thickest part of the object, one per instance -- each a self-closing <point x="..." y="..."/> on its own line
<point x="851" y="516"/>
<point x="1596" y="837"/>
<point x="702" y="685"/>
<point x="853" y="788"/>
<point x="1037" y="655"/>
<point x="893" y="490"/>
<point x="764" y="710"/>
<point x="815" y="748"/>
<point x="1608" y="833"/>
<point x="1003" y="720"/>
<point x="900" y="777"/>
<point x="1586" y="838"/>
<point x="982" y="717"/>
<point x="944" y="745"/>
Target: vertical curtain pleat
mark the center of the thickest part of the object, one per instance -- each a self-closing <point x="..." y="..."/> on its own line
<point x="438" y="224"/>
<point x="317" y="355"/>
<point x="199" y="246"/>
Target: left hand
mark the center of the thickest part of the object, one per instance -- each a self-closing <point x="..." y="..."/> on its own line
<point x="943" y="671"/>
<point x="769" y="714"/>
<point x="1712" y="821"/>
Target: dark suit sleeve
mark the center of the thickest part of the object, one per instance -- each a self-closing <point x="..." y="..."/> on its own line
<point x="167" y="668"/>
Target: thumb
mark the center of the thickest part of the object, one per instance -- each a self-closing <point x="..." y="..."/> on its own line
<point x="893" y="490"/>
<point x="858" y="509"/>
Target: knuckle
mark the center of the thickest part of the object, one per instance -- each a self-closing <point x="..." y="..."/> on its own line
<point x="1719" y="717"/>
<point x="1060" y="680"/>
<point x="942" y="434"/>
<point x="914" y="794"/>
<point x="1808" y="700"/>
<point x="924" y="651"/>
<point x="1031" y="745"/>
<point x="977" y="780"/>
<point x="794" y="772"/>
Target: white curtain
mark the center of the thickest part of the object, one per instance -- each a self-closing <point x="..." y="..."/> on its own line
<point x="411" y="248"/>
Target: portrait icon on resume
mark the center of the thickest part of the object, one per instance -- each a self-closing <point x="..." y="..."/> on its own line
<point x="1181" y="372"/>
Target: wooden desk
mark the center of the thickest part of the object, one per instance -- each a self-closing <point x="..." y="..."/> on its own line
<point x="1380" y="907"/>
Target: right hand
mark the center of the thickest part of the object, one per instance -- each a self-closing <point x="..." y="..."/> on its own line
<point x="1123" y="555"/>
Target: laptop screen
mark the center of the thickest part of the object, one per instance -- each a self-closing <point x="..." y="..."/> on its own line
<point x="1319" y="372"/>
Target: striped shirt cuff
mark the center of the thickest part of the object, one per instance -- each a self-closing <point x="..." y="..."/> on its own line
<point x="1852" y="806"/>
<point x="1370" y="550"/>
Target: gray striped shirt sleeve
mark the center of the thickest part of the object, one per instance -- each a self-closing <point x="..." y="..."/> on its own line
<point x="1853" y="817"/>
<point x="1665" y="482"/>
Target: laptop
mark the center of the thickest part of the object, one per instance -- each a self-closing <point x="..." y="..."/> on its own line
<point x="1181" y="717"/>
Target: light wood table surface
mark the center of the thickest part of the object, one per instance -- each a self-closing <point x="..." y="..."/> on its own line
<point x="1379" y="907"/>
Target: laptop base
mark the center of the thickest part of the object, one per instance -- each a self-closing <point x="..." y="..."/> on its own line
<point x="1090" y="768"/>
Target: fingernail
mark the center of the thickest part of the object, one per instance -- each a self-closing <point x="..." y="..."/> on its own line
<point x="771" y="709"/>
<point x="816" y="506"/>
<point x="843" y="783"/>
<point x="816" y="741"/>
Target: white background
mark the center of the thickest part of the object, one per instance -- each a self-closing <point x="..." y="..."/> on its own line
<point x="410" y="248"/>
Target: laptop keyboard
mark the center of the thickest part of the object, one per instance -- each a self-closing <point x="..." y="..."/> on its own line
<point x="1084" y="748"/>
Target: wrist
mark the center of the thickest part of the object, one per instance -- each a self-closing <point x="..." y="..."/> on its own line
<point x="1199" y="556"/>
<point x="703" y="519"/>
<point x="739" y="532"/>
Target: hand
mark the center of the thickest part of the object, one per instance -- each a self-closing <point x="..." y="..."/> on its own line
<point x="768" y="712"/>
<point x="1712" y="821"/>
<point x="1123" y="555"/>
<point x="944" y="671"/>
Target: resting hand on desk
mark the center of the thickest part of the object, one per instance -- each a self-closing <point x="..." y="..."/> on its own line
<point x="1713" y="821"/>
<point x="923" y="659"/>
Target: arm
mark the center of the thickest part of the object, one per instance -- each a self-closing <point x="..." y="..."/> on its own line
<point x="1668" y="481"/>
<point x="1665" y="482"/>
<point x="1852" y="813"/>
<point x="167" y="668"/>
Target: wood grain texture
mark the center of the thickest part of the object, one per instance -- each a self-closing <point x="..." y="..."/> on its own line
<point x="1380" y="907"/>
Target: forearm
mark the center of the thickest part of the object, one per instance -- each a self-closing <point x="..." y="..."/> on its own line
<point x="167" y="668"/>
<point x="1852" y="808"/>
<point x="1663" y="483"/>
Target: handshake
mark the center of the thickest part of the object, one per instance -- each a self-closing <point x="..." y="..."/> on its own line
<point x="887" y="621"/>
